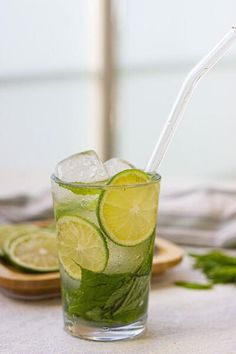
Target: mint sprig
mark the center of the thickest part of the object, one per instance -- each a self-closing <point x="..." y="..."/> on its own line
<point x="218" y="268"/>
<point x="111" y="298"/>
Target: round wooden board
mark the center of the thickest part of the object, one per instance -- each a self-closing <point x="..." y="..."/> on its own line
<point x="167" y="255"/>
<point x="27" y="285"/>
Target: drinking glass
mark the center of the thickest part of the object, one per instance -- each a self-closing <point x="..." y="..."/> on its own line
<point x="106" y="237"/>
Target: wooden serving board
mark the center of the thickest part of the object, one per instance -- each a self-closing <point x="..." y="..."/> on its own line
<point x="166" y="255"/>
<point x="32" y="286"/>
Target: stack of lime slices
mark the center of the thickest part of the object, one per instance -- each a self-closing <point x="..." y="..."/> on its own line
<point x="29" y="247"/>
<point x="126" y="216"/>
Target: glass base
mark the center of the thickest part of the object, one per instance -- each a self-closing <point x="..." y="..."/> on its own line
<point x="85" y="330"/>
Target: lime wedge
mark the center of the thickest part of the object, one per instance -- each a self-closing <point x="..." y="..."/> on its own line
<point x="81" y="244"/>
<point x="128" y="215"/>
<point x="35" y="252"/>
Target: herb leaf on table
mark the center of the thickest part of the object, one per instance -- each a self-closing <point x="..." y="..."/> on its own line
<point x="195" y="286"/>
<point x="218" y="268"/>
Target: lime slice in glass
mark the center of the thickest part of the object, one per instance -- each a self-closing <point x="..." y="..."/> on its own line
<point x="71" y="268"/>
<point x="128" y="215"/>
<point x="81" y="244"/>
<point x="35" y="252"/>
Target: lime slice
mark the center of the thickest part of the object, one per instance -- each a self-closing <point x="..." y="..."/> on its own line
<point x="128" y="215"/>
<point x="11" y="232"/>
<point x="35" y="252"/>
<point x="5" y="231"/>
<point x="71" y="268"/>
<point x="81" y="244"/>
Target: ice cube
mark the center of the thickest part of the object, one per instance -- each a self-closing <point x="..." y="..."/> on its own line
<point x="82" y="167"/>
<point x="116" y="165"/>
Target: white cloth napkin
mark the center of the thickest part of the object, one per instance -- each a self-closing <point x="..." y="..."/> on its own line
<point x="201" y="216"/>
<point x="26" y="208"/>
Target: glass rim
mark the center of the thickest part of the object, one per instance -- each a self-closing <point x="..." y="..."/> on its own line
<point x="156" y="178"/>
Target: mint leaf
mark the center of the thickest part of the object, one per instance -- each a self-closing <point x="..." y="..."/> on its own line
<point x="94" y="291"/>
<point x="195" y="286"/>
<point x="80" y="188"/>
<point x="223" y="274"/>
<point x="111" y="298"/>
<point x="135" y="301"/>
<point x="117" y="298"/>
<point x="217" y="266"/>
<point x="216" y="257"/>
<point x="146" y="266"/>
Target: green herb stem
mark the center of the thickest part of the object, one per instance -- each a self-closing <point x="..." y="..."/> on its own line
<point x="194" y="286"/>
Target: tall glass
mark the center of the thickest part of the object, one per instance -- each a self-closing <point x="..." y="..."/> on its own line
<point x="105" y="283"/>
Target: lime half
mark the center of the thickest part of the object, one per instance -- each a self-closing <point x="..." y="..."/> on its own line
<point x="35" y="252"/>
<point x="81" y="244"/>
<point x="128" y="215"/>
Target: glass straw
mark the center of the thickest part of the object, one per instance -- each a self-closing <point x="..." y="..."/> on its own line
<point x="185" y="94"/>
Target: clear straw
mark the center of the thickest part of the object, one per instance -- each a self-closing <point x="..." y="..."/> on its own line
<point x="185" y="94"/>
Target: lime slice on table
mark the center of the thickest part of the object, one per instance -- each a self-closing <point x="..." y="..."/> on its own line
<point x="128" y="215"/>
<point x="9" y="232"/>
<point x="35" y="252"/>
<point x="5" y="231"/>
<point x="81" y="244"/>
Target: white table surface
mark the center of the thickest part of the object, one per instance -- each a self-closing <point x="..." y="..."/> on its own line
<point x="180" y="321"/>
